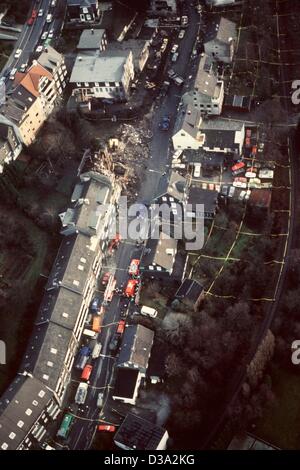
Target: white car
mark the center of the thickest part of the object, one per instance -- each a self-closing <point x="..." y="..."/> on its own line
<point x="242" y="195"/>
<point x="13" y="73"/>
<point x="44" y="35"/>
<point x="41" y="12"/>
<point x="175" y="57"/>
<point x="23" y="67"/>
<point x="18" y="53"/>
<point x="49" y="18"/>
<point x="50" y="35"/>
<point x="197" y="170"/>
<point x="181" y="34"/>
<point x="39" y="49"/>
<point x="174" y="48"/>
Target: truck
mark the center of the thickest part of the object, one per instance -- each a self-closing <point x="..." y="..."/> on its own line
<point x="89" y="333"/>
<point x="178" y="80"/>
<point x="96" y="350"/>
<point x="81" y="393"/>
<point x="83" y="356"/>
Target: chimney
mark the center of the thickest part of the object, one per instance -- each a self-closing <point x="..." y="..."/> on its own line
<point x="92" y="31"/>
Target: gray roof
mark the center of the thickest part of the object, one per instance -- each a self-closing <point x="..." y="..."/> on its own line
<point x="188" y="120"/>
<point x="52" y="355"/>
<point x="220" y="124"/>
<point x="161" y="256"/>
<point x="93" y="68"/>
<point x="139" y="434"/>
<point x="206" y="83"/>
<point x="206" y="62"/>
<point x="223" y="31"/>
<point x="173" y="185"/>
<point x="89" y="198"/>
<point x="16" y="104"/>
<point x="20" y="407"/>
<point x="50" y="59"/>
<point x="203" y="196"/>
<point x="90" y="39"/>
<point x="136" y="347"/>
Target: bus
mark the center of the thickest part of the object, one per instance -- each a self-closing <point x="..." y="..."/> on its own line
<point x="65" y="426"/>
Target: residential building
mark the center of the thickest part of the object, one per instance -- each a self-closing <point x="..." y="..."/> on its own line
<point x="137" y="433"/>
<point x="25" y="409"/>
<point x="189" y="295"/>
<point x="159" y="257"/>
<point x="10" y="142"/>
<point x="193" y="132"/>
<point x="132" y="362"/>
<point x="54" y="62"/>
<point x="237" y="103"/>
<point x="26" y="111"/>
<point x="102" y="77"/>
<point x="92" y="40"/>
<point x="68" y="292"/>
<point x="187" y="133"/>
<point x="223" y="136"/>
<point x="198" y="197"/>
<point x="82" y="11"/>
<point x="207" y="92"/>
<point x="140" y="49"/>
<point x="220" y="40"/>
<point x="163" y="7"/>
<point x="172" y="188"/>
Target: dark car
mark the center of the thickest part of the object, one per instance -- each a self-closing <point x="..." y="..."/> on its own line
<point x="114" y="343"/>
<point x="164" y="124"/>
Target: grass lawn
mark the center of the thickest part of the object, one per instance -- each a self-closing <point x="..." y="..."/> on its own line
<point x="280" y="424"/>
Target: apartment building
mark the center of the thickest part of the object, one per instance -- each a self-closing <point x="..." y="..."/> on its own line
<point x="54" y="62"/>
<point x="71" y="283"/>
<point x="92" y="40"/>
<point x="220" y="40"/>
<point x="207" y="92"/>
<point x="102" y="76"/>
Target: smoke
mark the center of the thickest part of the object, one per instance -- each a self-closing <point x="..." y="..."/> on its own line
<point x="156" y="404"/>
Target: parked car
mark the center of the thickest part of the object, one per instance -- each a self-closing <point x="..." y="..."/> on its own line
<point x="23" y="67"/>
<point x="81" y="393"/>
<point x="175" y="57"/>
<point x="197" y="170"/>
<point x="148" y="311"/>
<point x="181" y="34"/>
<point x="224" y="190"/>
<point x="39" y="49"/>
<point x="174" y="48"/>
<point x="44" y="36"/>
<point x="106" y="427"/>
<point x="50" y="35"/>
<point x="114" y="343"/>
<point x="240" y="182"/>
<point x="164" y="124"/>
<point x="100" y="400"/>
<point x="13" y="73"/>
<point x="231" y="191"/>
<point x="49" y="18"/>
<point x="242" y="195"/>
<point x="18" y="53"/>
<point x="41" y="12"/>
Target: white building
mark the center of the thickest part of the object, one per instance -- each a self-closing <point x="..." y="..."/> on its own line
<point x="102" y="77"/>
<point x="191" y="131"/>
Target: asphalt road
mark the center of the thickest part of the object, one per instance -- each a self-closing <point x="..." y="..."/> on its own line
<point x="30" y="36"/>
<point x="84" y="427"/>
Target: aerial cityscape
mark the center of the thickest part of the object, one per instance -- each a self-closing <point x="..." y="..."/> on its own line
<point x="149" y="276"/>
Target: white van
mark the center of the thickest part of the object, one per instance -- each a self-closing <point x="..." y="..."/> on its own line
<point x="151" y="312"/>
<point x="90" y="333"/>
<point x="197" y="170"/>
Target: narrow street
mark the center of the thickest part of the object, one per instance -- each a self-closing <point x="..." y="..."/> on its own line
<point x="84" y="428"/>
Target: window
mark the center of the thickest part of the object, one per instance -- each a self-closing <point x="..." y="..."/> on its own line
<point x="86" y="84"/>
<point x="78" y="84"/>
